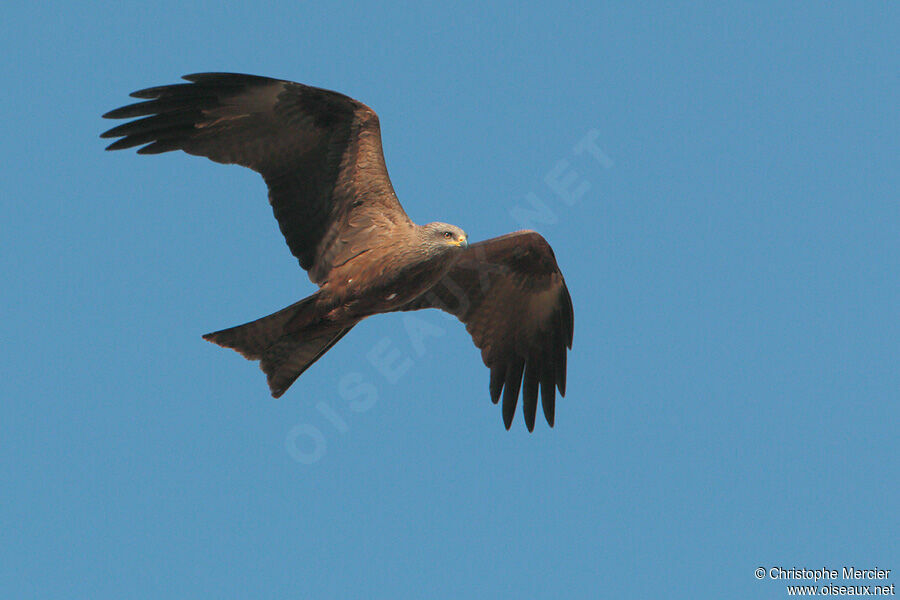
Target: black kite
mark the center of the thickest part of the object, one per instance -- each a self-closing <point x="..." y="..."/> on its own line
<point x="320" y="155"/>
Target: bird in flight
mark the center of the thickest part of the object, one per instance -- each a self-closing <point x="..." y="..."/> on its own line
<point x="320" y="155"/>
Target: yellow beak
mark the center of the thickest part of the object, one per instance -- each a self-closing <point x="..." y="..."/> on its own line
<point x="461" y="241"/>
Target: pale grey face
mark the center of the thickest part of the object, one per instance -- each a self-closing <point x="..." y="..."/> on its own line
<point x="442" y="234"/>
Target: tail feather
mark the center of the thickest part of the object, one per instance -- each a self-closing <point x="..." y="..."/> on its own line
<point x="288" y="358"/>
<point x="252" y="339"/>
<point x="283" y="356"/>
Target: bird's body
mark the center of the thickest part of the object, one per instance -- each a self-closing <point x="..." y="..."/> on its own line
<point x="320" y="155"/>
<point x="388" y="275"/>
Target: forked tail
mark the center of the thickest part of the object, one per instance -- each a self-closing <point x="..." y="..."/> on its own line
<point x="282" y="356"/>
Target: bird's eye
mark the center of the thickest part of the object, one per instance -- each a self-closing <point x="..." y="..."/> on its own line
<point x="448" y="235"/>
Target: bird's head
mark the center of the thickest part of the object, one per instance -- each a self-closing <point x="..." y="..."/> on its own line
<point x="442" y="235"/>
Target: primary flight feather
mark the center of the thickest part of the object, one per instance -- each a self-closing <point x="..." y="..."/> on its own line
<point x="320" y="155"/>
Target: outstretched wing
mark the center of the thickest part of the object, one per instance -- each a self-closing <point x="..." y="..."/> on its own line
<point x="318" y="151"/>
<point x="513" y="299"/>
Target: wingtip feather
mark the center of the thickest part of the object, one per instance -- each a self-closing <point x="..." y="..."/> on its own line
<point x="511" y="391"/>
<point x="530" y="392"/>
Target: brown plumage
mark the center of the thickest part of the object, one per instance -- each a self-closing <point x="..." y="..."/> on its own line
<point x="320" y="155"/>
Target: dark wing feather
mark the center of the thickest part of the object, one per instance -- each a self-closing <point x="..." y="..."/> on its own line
<point x="513" y="299"/>
<point x="319" y="152"/>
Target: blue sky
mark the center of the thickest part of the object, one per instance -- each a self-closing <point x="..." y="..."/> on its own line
<point x="733" y="260"/>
